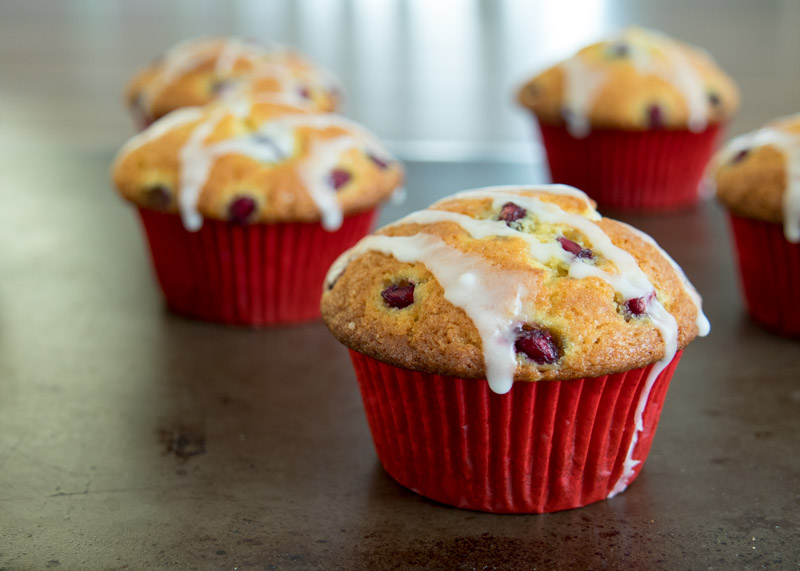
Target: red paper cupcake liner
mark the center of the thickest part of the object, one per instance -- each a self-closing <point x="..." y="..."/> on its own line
<point x="258" y="274"/>
<point x="769" y="269"/>
<point x="631" y="170"/>
<point x="542" y="447"/>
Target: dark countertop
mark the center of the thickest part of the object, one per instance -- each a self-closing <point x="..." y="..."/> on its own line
<point x="133" y="438"/>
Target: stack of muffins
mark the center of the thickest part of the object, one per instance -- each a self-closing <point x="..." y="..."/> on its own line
<point x="198" y="72"/>
<point x="513" y="347"/>
<point x="246" y="189"/>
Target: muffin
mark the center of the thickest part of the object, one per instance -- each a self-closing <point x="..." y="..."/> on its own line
<point x="632" y="120"/>
<point x="198" y="72"/>
<point x="246" y="204"/>
<point x="757" y="178"/>
<point x="513" y="347"/>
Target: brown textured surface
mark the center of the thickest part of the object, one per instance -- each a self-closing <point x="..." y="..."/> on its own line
<point x="278" y="189"/>
<point x="197" y="84"/>
<point x="753" y="185"/>
<point x="92" y="370"/>
<point x="436" y="336"/>
<point x="107" y="400"/>
<point x="624" y="99"/>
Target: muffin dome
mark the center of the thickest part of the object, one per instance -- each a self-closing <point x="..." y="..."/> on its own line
<point x="256" y="160"/>
<point x="637" y="81"/>
<point x="511" y="284"/>
<point x="757" y="175"/>
<point x="200" y="71"/>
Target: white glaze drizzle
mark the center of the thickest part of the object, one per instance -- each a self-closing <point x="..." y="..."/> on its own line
<point x="679" y="71"/>
<point x="234" y="49"/>
<point x="629" y="280"/>
<point x="399" y="195"/>
<point x="262" y="69"/>
<point x="703" y="328"/>
<point x="787" y="143"/>
<point x="562" y="189"/>
<point x="266" y="62"/>
<point x="670" y="348"/>
<point x="495" y="312"/>
<point x="178" y="60"/>
<point x="582" y="82"/>
<point x="197" y="157"/>
<point x="195" y="165"/>
<point x="159" y="128"/>
<point x="315" y="170"/>
<point x="703" y="324"/>
<point x="690" y="83"/>
<point x="290" y="85"/>
<point x="499" y="320"/>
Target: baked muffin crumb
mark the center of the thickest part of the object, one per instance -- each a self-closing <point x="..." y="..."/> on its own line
<point x="511" y="283"/>
<point x="639" y="80"/>
<point x="256" y="161"/>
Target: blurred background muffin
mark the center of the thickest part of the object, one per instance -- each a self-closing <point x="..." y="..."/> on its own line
<point x="245" y="204"/>
<point x="632" y="120"/>
<point x="199" y="71"/>
<point x="757" y="178"/>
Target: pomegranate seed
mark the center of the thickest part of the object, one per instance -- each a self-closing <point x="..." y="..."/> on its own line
<point x="158" y="197"/>
<point x="575" y="248"/>
<point x="241" y="209"/>
<point x="538" y="345"/>
<point x="220" y="86"/>
<point x="655" y="117"/>
<point x="379" y="162"/>
<point x="638" y="305"/>
<point x="338" y="178"/>
<point x="511" y="212"/>
<point x="619" y="50"/>
<point x="740" y="156"/>
<point x="399" y="296"/>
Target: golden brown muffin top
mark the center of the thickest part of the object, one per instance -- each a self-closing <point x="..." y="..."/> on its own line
<point x="522" y="283"/>
<point x="256" y="161"/>
<point x="637" y="81"/>
<point x="757" y="175"/>
<point x="197" y="72"/>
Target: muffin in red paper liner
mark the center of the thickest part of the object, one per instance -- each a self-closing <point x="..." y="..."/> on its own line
<point x="632" y="120"/>
<point x="201" y="71"/>
<point x="757" y="177"/>
<point x="513" y="348"/>
<point x="245" y="205"/>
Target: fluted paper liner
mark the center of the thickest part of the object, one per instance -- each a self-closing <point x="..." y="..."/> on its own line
<point x="542" y="447"/>
<point x="252" y="275"/>
<point x="769" y="270"/>
<point x="631" y="170"/>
